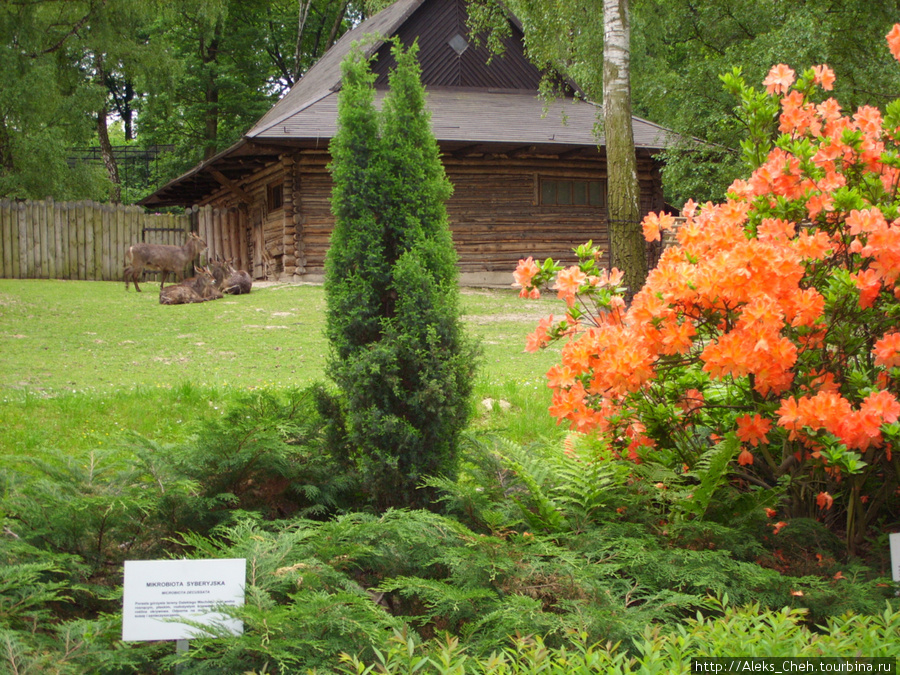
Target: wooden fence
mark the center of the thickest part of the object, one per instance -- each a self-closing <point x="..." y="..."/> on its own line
<point x="87" y="240"/>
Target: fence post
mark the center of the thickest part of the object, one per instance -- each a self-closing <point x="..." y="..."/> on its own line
<point x="5" y="240"/>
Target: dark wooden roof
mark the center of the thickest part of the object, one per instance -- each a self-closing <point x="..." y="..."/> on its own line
<point x="477" y="104"/>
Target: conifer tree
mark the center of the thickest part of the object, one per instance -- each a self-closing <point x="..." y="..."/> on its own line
<point x="399" y="356"/>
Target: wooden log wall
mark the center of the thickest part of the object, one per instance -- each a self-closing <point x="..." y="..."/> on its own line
<point x="223" y="231"/>
<point x="266" y="236"/>
<point x="494" y="212"/>
<point x="78" y="240"/>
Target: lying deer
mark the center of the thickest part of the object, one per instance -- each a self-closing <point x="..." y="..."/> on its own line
<point x="161" y="257"/>
<point x="196" y="289"/>
<point x="230" y="280"/>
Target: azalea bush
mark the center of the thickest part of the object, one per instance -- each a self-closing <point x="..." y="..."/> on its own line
<point x="768" y="332"/>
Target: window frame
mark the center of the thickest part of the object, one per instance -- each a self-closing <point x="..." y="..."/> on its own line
<point x="275" y="193"/>
<point x="557" y="181"/>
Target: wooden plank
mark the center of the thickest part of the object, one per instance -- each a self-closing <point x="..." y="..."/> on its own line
<point x="105" y="211"/>
<point x="97" y="221"/>
<point x="22" y="240"/>
<point x="54" y="221"/>
<point x="48" y="244"/>
<point x="63" y="268"/>
<point x="15" y="256"/>
<point x="218" y="237"/>
<point x="235" y="235"/>
<point x="46" y="240"/>
<point x="198" y="222"/>
<point x="73" y="239"/>
<point x="89" y="262"/>
<point x="81" y="239"/>
<point x="232" y="187"/>
<point x="32" y="231"/>
<point x="243" y="241"/>
<point x="6" y="241"/>
<point x="119" y="245"/>
<point x="37" y="234"/>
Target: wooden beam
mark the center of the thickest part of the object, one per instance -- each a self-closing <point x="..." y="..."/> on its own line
<point x="231" y="185"/>
<point x="568" y="154"/>
<point x="524" y="150"/>
<point x="465" y="150"/>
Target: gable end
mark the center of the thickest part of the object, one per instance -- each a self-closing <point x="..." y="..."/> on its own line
<point x="447" y="61"/>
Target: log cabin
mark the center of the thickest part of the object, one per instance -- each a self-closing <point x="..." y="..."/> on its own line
<point x="529" y="174"/>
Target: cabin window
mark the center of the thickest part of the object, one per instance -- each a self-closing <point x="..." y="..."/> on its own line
<point x="567" y="192"/>
<point x="275" y="196"/>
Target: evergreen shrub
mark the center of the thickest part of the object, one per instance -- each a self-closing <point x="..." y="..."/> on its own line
<point x="401" y="361"/>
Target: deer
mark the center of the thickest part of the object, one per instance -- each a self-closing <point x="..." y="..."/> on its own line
<point x="230" y="280"/>
<point x="161" y="257"/>
<point x="196" y="289"/>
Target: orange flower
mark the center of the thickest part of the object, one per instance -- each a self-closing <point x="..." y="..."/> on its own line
<point x="654" y="222"/>
<point x="887" y="350"/>
<point x="779" y="79"/>
<point x="883" y="405"/>
<point x="777" y="527"/>
<point x="745" y="458"/>
<point x="752" y="430"/>
<point x="893" y="40"/>
<point x="869" y="285"/>
<point x="523" y="275"/>
<point x="689" y="208"/>
<point x="692" y="400"/>
<point x="770" y="513"/>
<point x="539" y="337"/>
<point x="824" y="500"/>
<point x="560" y="376"/>
<point x="568" y="282"/>
<point x="824" y="77"/>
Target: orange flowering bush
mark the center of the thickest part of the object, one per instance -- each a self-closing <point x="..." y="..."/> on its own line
<point x="772" y="321"/>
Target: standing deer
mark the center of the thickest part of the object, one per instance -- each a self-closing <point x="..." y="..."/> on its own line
<point x="161" y="257"/>
<point x="201" y="288"/>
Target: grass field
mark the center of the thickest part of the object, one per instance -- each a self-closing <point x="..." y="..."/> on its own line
<point x="82" y="362"/>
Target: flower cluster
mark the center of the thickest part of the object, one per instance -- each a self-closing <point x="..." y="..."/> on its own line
<point x="773" y="318"/>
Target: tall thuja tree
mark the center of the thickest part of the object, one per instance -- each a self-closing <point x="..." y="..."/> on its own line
<point x="399" y="355"/>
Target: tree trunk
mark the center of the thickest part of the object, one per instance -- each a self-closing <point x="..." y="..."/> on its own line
<point x="335" y="27"/>
<point x="210" y="56"/>
<point x="109" y="159"/>
<point x="303" y="13"/>
<point x="623" y="189"/>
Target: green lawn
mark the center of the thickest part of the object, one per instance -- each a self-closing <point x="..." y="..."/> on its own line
<point x="82" y="361"/>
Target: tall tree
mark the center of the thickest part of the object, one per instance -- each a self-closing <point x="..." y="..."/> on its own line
<point x="399" y="355"/>
<point x="623" y="189"/>
<point x="227" y="63"/>
<point x="45" y="93"/>
<point x="681" y="47"/>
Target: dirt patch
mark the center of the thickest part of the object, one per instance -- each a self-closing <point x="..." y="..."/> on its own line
<point x="482" y="319"/>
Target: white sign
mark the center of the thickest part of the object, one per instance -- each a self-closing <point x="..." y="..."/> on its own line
<point x="159" y="592"/>
<point x="895" y="556"/>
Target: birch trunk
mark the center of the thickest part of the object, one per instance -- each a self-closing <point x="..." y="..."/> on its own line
<point x="303" y="14"/>
<point x="623" y="190"/>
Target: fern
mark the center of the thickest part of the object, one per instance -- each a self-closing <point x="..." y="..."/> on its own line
<point x="543" y="516"/>
<point x="711" y="470"/>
